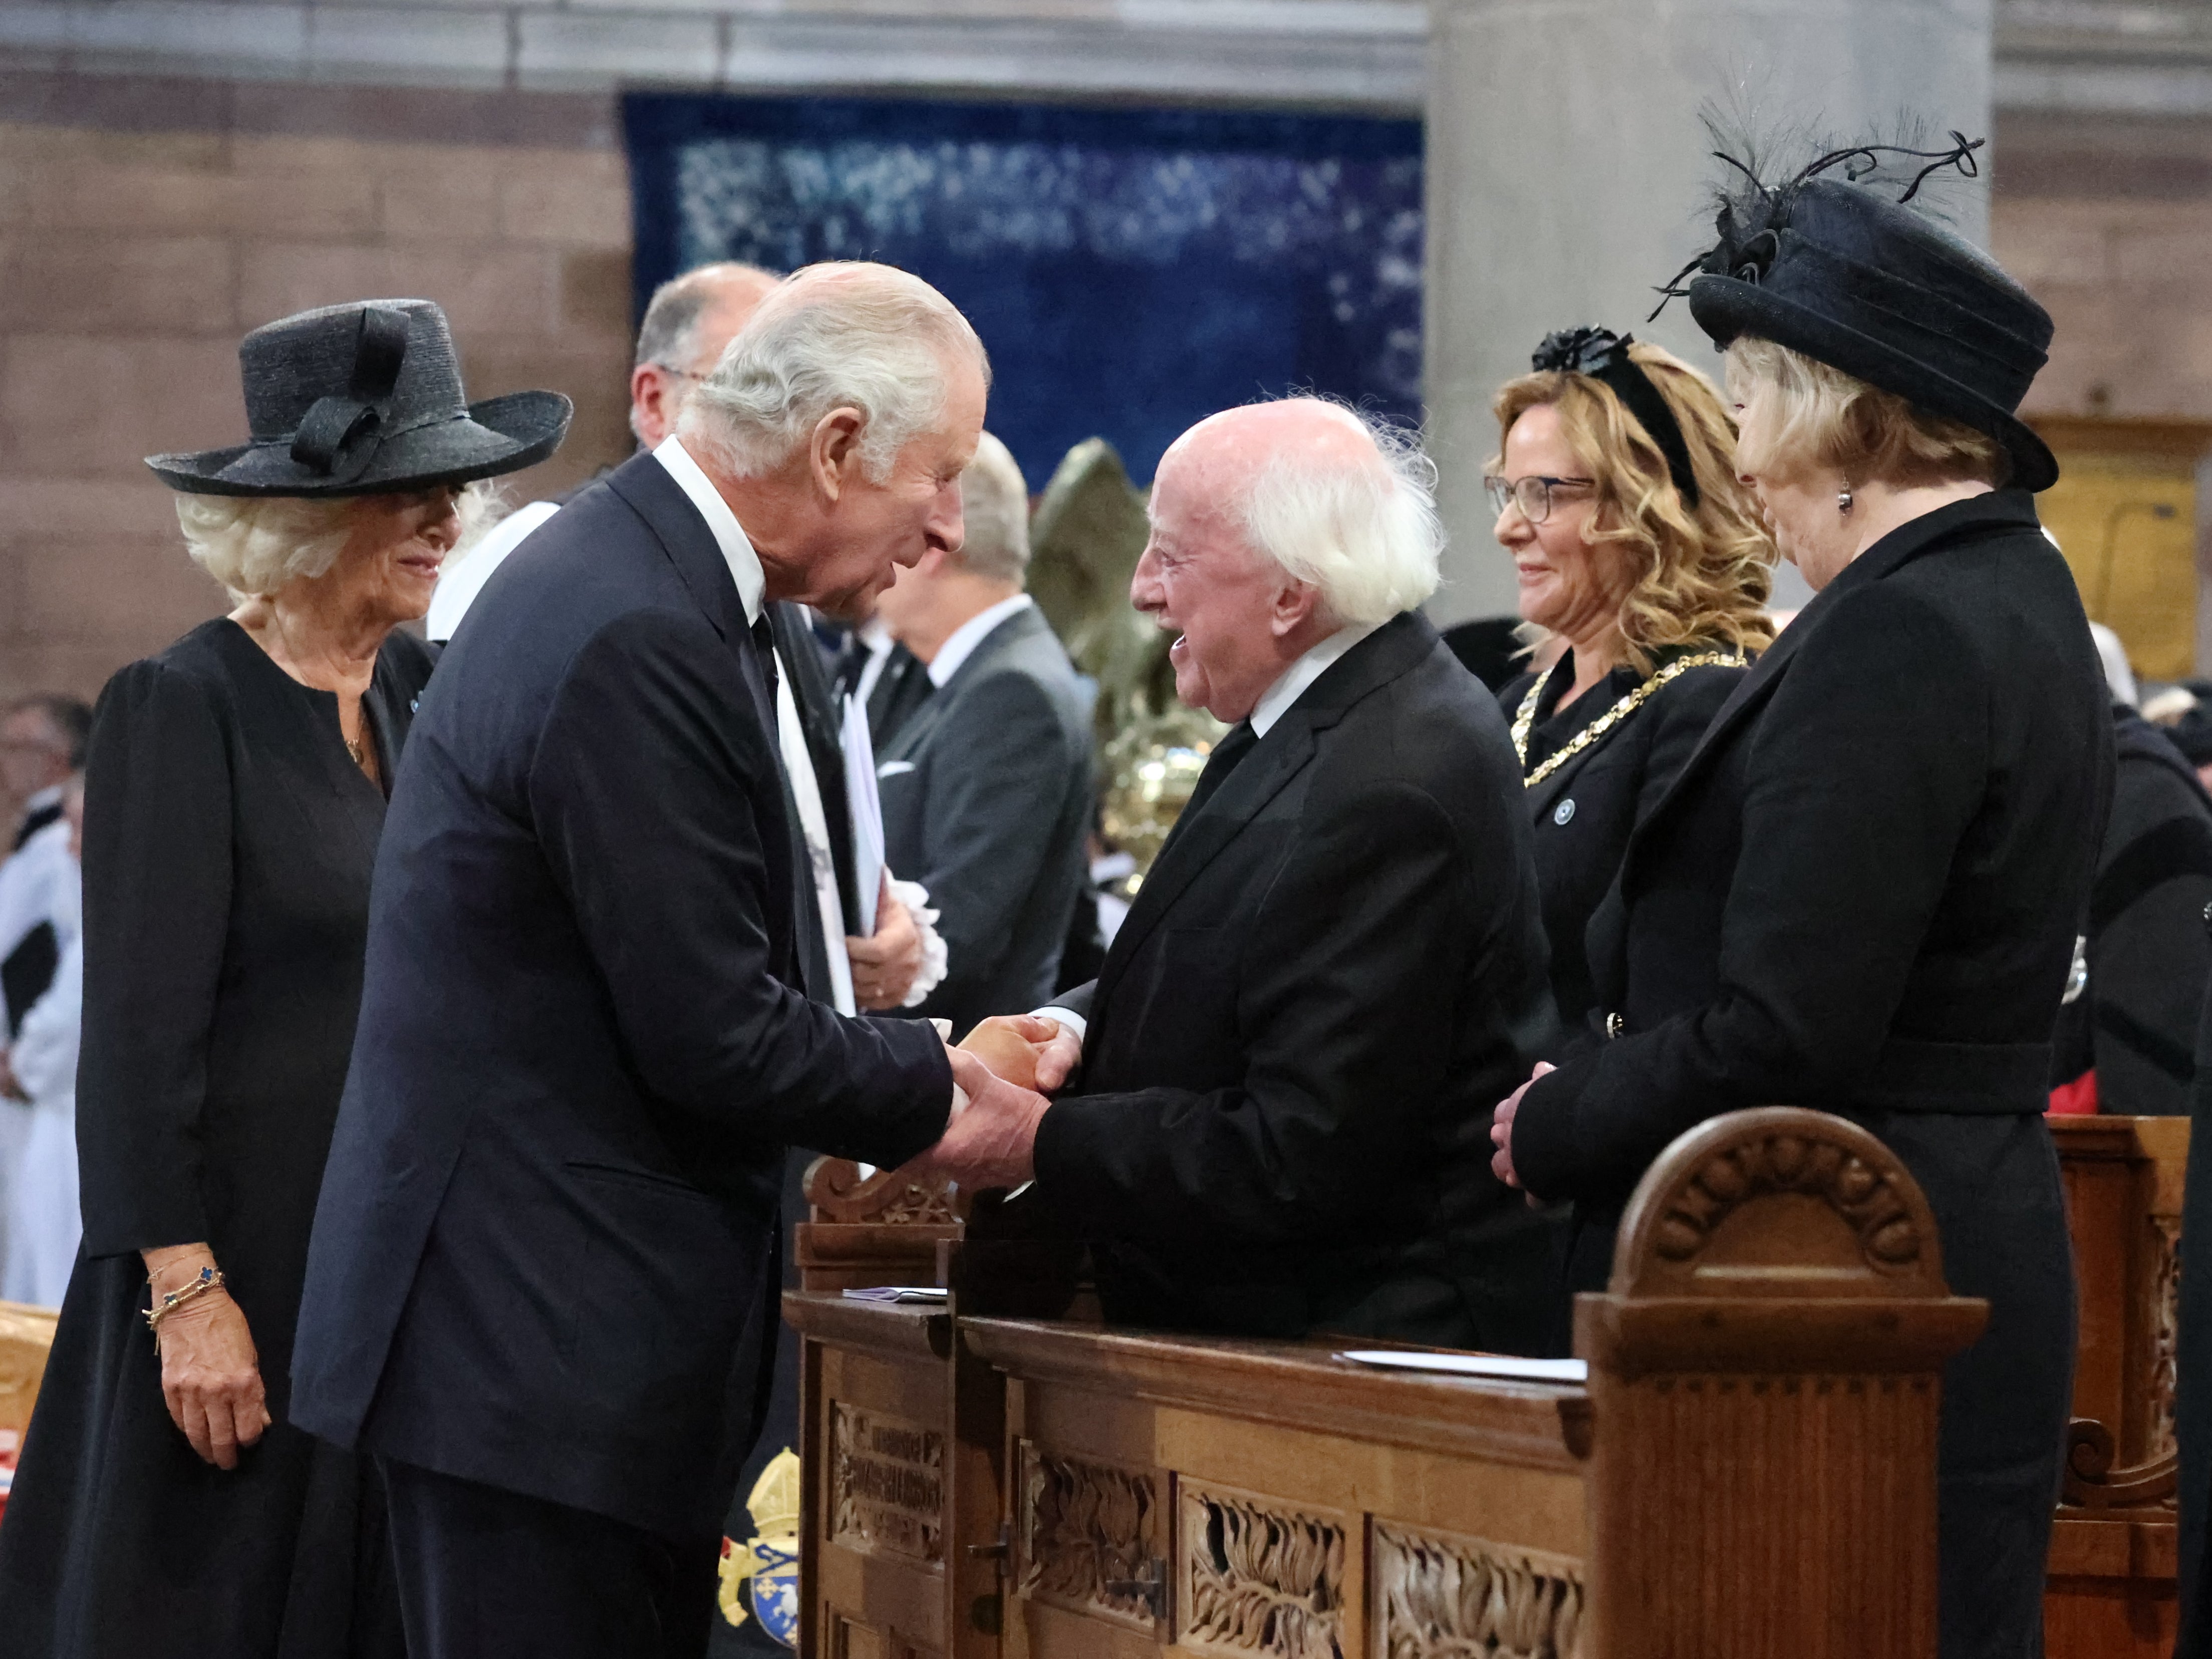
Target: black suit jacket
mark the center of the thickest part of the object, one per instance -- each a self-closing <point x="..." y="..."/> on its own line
<point x="1861" y="892"/>
<point x="899" y="692"/>
<point x="1582" y="812"/>
<point x="1333" y="972"/>
<point x="545" y="1257"/>
<point x="987" y="796"/>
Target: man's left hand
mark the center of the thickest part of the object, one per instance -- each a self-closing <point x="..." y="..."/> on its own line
<point x="886" y="964"/>
<point x="1501" y="1128"/>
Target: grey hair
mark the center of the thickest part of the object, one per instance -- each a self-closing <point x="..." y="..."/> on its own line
<point x="255" y="545"/>
<point x="995" y="502"/>
<point x="834" y="336"/>
<point x="1364" y="535"/>
<point x="668" y="335"/>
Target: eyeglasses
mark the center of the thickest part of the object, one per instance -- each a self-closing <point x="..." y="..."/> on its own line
<point x="680" y="374"/>
<point x="1532" y="494"/>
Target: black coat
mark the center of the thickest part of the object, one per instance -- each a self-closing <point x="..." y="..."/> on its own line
<point x="987" y="796"/>
<point x="1583" y="812"/>
<point x="228" y="840"/>
<point x="1333" y="970"/>
<point x="1861" y="895"/>
<point x="545" y="1257"/>
<point x="2149" y="958"/>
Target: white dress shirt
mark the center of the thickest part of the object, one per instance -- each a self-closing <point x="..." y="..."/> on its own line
<point x="1277" y="699"/>
<point x="961" y="643"/>
<point x="729" y="535"/>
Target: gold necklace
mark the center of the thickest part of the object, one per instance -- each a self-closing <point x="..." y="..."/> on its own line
<point x="358" y="750"/>
<point x="1597" y="729"/>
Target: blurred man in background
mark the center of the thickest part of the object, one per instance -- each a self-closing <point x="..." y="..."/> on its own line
<point x="987" y="789"/>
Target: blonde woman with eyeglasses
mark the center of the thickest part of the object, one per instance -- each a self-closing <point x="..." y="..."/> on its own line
<point x="1637" y="551"/>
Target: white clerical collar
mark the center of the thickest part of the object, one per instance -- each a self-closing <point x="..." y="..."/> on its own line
<point x="1275" y="701"/>
<point x="961" y="644"/>
<point x="729" y="535"/>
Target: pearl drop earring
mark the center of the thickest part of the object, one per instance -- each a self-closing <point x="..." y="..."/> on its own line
<point x="1843" y="502"/>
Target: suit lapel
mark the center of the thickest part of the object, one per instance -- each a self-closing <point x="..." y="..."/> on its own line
<point x="994" y="645"/>
<point x="1999" y="514"/>
<point x="1195" y="842"/>
<point x="1391" y="651"/>
<point x="658" y="499"/>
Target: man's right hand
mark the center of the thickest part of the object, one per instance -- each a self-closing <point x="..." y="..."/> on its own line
<point x="992" y="1137"/>
<point x="1054" y="1049"/>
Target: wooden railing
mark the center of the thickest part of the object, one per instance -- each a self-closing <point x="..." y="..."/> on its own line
<point x="1750" y="1467"/>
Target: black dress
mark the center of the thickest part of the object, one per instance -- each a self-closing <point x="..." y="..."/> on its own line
<point x="228" y="840"/>
<point x="1586" y="802"/>
<point x="1861" y="895"/>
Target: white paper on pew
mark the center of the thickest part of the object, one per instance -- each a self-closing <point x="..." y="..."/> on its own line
<point x="898" y="1293"/>
<point x="867" y="812"/>
<point x="1471" y="1365"/>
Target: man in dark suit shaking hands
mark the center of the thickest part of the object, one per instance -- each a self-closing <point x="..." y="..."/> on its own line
<point x="987" y="789"/>
<point x="541" y="1288"/>
<point x="1278" y="1126"/>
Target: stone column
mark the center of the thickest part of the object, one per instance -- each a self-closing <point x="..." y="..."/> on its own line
<point x="1567" y="171"/>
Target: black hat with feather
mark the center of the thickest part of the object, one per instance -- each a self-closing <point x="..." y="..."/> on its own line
<point x="1847" y="274"/>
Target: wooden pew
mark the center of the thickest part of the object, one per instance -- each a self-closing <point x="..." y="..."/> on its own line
<point x="1750" y="1468"/>
<point x="2111" y="1593"/>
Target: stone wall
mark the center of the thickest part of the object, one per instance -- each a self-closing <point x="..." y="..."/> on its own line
<point x="145" y="225"/>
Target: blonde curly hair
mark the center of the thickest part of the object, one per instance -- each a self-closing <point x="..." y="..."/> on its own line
<point x="1699" y="576"/>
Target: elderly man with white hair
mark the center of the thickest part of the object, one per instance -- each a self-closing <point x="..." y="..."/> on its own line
<point x="541" y="1290"/>
<point x="1272" y="1116"/>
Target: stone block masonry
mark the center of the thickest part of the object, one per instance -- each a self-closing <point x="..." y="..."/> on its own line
<point x="146" y="223"/>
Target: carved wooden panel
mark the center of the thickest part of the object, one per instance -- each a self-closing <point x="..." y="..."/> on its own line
<point x="1439" y="1596"/>
<point x="1872" y="1199"/>
<point x="1085" y="1525"/>
<point x="1258" y="1577"/>
<point x="2164" y="1310"/>
<point x="886" y="1482"/>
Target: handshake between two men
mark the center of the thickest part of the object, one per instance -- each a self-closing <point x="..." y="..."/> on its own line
<point x="1002" y="1072"/>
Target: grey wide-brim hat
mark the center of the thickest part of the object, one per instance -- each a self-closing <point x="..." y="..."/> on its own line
<point x="363" y="398"/>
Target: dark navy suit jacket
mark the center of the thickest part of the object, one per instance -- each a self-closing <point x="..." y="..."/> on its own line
<point x="545" y="1257"/>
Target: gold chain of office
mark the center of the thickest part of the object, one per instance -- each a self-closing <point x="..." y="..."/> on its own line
<point x="1598" y="728"/>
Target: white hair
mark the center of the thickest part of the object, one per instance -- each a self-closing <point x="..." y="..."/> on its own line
<point x="1362" y="531"/>
<point x="834" y="335"/>
<point x="995" y="502"/>
<point x="256" y="544"/>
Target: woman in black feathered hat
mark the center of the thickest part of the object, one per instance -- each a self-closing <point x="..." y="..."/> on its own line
<point x="1864" y="892"/>
<point x="235" y="791"/>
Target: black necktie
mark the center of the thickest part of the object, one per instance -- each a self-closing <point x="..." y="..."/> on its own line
<point x="764" y="639"/>
<point x="1232" y="749"/>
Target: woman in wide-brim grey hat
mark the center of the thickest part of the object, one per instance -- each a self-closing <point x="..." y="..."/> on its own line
<point x="1862" y="891"/>
<point x="236" y="789"/>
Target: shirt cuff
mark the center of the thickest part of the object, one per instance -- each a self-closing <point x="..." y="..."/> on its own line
<point x="1068" y="1019"/>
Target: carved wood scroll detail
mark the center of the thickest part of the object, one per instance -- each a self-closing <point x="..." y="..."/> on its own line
<point x="1442" y="1597"/>
<point x="1256" y="1578"/>
<point x="886" y="1483"/>
<point x="1864" y="1196"/>
<point x="838" y="1192"/>
<point x="1085" y="1525"/>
